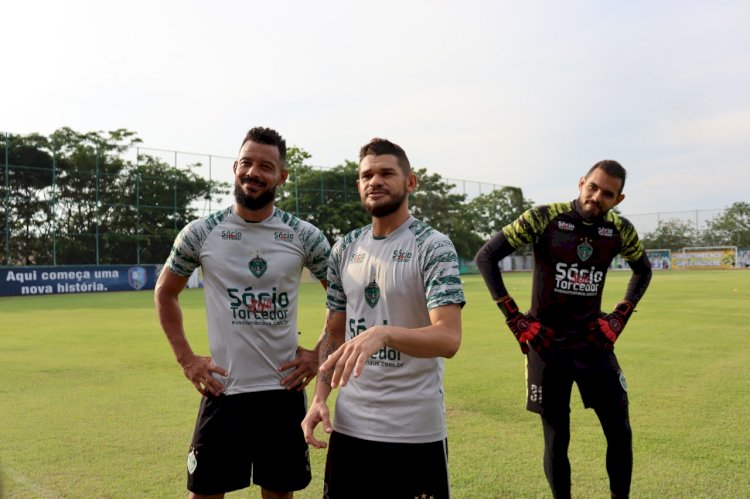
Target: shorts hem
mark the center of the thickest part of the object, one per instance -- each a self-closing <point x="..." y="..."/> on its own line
<point x="289" y="488"/>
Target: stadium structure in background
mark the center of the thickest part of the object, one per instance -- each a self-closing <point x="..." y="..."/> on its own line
<point x="89" y="203"/>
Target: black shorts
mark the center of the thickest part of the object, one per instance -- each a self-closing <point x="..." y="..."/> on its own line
<point x="367" y="469"/>
<point x="550" y="377"/>
<point x="250" y="437"/>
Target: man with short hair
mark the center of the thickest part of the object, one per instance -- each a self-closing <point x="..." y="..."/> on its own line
<point x="394" y="311"/>
<point x="565" y="335"/>
<point x="252" y="255"/>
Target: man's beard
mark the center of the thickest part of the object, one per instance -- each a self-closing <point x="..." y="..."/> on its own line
<point x="386" y="209"/>
<point x="589" y="215"/>
<point x="263" y="199"/>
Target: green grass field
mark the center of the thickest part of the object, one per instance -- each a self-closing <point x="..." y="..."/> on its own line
<point x="93" y="403"/>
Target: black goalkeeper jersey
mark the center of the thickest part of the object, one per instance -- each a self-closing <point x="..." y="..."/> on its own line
<point x="571" y="259"/>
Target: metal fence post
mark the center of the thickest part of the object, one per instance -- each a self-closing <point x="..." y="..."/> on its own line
<point x="174" y="188"/>
<point x="697" y="227"/>
<point x="322" y="195"/>
<point x="346" y="193"/>
<point x="296" y="192"/>
<point x="54" y="199"/>
<point x="137" y="209"/>
<point x="6" y="207"/>
<point x="98" y="150"/>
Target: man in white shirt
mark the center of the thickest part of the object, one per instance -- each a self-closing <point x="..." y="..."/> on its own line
<point x="394" y="311"/>
<point x="252" y="255"/>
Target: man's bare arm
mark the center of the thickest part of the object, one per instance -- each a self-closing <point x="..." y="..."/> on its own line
<point x="331" y="339"/>
<point x="441" y="338"/>
<point x="196" y="368"/>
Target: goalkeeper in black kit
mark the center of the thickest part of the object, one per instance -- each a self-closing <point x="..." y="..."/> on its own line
<point x="565" y="335"/>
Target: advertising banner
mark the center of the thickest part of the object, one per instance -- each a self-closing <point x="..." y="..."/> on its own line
<point x="705" y="258"/>
<point x="27" y="281"/>
<point x="743" y="259"/>
<point x="661" y="259"/>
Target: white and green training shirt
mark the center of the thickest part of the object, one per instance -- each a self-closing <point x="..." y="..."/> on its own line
<point x="251" y="275"/>
<point x="393" y="280"/>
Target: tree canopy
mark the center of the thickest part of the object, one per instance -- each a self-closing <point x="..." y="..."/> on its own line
<point x="730" y="228"/>
<point x="670" y="234"/>
<point x="330" y="200"/>
<point x="494" y="210"/>
<point x="74" y="198"/>
<point x="326" y="198"/>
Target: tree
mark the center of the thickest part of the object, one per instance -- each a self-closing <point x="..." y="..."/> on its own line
<point x="672" y="234"/>
<point x="25" y="200"/>
<point x="330" y="200"/>
<point x="160" y="200"/>
<point x="73" y="199"/>
<point x="445" y="211"/>
<point x="326" y="198"/>
<point x="492" y="211"/>
<point x="730" y="228"/>
<point x="87" y="176"/>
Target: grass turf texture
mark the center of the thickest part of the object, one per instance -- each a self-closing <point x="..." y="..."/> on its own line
<point x="94" y="404"/>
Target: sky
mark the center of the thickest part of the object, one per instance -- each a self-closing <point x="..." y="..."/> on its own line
<point x="522" y="93"/>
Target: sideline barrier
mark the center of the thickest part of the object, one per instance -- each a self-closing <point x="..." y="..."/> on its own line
<point x="26" y="281"/>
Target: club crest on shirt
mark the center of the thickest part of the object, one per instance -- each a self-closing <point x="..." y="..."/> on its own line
<point x="585" y="250"/>
<point x="372" y="294"/>
<point x="257" y="266"/>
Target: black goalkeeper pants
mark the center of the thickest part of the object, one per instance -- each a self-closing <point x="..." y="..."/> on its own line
<point x="616" y="426"/>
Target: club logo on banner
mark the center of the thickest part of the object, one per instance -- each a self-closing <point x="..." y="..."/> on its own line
<point x="137" y="277"/>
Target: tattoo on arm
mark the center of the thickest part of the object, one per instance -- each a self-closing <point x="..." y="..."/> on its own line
<point x="325" y="377"/>
<point x="328" y="345"/>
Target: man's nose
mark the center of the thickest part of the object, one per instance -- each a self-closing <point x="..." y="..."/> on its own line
<point x="376" y="180"/>
<point x="252" y="171"/>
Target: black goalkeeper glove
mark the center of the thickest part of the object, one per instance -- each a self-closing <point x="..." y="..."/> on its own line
<point x="608" y="327"/>
<point x="527" y="330"/>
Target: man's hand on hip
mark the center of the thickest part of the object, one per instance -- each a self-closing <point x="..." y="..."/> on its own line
<point x="527" y="330"/>
<point x="608" y="327"/>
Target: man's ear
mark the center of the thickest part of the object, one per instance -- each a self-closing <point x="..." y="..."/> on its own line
<point x="411" y="183"/>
